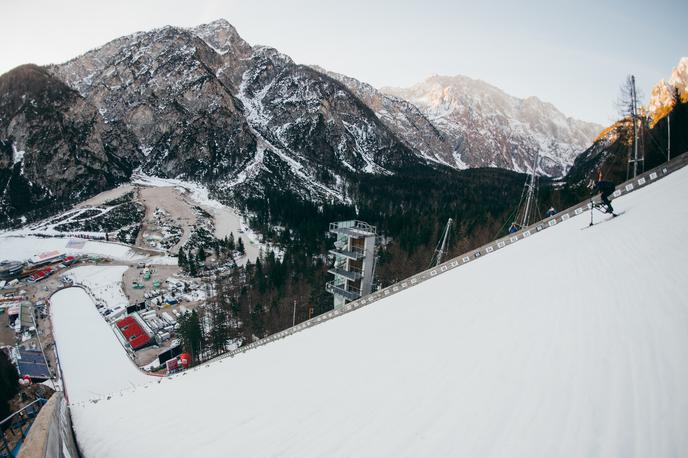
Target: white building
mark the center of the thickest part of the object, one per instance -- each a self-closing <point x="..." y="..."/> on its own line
<point x="46" y="258"/>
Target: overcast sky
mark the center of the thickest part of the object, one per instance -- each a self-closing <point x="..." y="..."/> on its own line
<point x="572" y="53"/>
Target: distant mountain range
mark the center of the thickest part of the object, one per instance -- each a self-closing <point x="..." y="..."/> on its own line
<point x="462" y="122"/>
<point x="202" y="104"/>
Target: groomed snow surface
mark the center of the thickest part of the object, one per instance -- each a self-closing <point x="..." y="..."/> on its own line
<point x="103" y="283"/>
<point x="570" y="343"/>
<point x="92" y="360"/>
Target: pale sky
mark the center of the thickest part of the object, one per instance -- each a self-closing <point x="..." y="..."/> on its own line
<point x="574" y="54"/>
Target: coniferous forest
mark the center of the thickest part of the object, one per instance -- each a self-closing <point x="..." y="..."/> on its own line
<point x="409" y="211"/>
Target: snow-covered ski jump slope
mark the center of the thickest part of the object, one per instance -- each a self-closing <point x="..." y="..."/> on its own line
<point x="569" y="343"/>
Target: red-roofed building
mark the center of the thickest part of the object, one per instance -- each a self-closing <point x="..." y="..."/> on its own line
<point x="133" y="332"/>
<point x="41" y="274"/>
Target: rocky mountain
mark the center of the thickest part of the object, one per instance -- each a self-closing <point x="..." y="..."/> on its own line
<point x="666" y="93"/>
<point x="206" y="105"/>
<point x="162" y="86"/>
<point x="406" y="120"/>
<point x="203" y="104"/>
<point x="487" y="127"/>
<point x="54" y="145"/>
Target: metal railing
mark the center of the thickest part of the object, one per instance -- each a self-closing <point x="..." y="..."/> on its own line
<point x="331" y="288"/>
<point x="354" y="253"/>
<point x="352" y="273"/>
<point x="353" y="229"/>
<point x="15" y="427"/>
<point x="354" y="225"/>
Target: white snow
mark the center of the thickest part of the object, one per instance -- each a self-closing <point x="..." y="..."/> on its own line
<point x="570" y="343"/>
<point x="23" y="247"/>
<point x="17" y="156"/>
<point x="103" y="282"/>
<point x="92" y="360"/>
<point x="197" y="191"/>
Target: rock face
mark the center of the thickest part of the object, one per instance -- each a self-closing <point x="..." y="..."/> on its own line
<point x="162" y="86"/>
<point x="405" y="120"/>
<point x="206" y="105"/>
<point x="55" y="147"/>
<point x="487" y="127"/>
<point x="667" y="93"/>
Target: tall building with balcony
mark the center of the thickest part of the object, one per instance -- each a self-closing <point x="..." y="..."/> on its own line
<point x="354" y="261"/>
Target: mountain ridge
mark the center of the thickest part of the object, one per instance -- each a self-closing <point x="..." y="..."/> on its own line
<point x="202" y="104"/>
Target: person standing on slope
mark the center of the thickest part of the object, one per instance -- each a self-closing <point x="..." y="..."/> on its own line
<point x="605" y="188"/>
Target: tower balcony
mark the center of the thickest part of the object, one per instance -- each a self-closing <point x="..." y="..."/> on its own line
<point x="352" y="273"/>
<point x="331" y="288"/>
<point x="355" y="254"/>
<point x="353" y="228"/>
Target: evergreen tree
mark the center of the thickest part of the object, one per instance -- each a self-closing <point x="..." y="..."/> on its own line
<point x="201" y="254"/>
<point x="219" y="331"/>
<point x="181" y="260"/>
<point x="240" y="247"/>
<point x="257" y="323"/>
<point x="260" y="276"/>
<point x="192" y="269"/>
<point x="230" y="242"/>
<point x="9" y="385"/>
<point x="192" y="334"/>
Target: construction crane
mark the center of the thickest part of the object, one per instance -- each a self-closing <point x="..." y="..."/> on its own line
<point x="527" y="209"/>
<point x="441" y="249"/>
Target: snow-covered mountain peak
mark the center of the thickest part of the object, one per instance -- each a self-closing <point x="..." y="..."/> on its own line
<point x="492" y="128"/>
<point x="662" y="97"/>
<point x="679" y="76"/>
<point x="271" y="54"/>
<point x="222" y="37"/>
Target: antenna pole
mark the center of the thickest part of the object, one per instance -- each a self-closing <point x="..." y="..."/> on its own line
<point x="441" y="249"/>
<point x="669" y="137"/>
<point x="634" y="114"/>
<point x="531" y="191"/>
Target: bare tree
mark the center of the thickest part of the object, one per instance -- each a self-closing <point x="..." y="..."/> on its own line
<point x="628" y="99"/>
<point x="627" y="104"/>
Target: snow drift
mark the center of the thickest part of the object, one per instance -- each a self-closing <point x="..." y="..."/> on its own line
<point x="570" y="343"/>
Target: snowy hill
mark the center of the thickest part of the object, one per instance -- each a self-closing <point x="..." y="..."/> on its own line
<point x="569" y="343"/>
